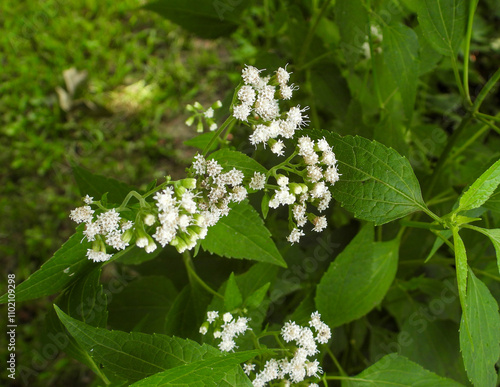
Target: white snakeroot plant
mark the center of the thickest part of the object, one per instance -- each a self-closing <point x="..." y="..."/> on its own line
<point x="181" y="212"/>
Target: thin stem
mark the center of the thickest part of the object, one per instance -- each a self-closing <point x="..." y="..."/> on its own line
<point x="272" y="171"/>
<point x="472" y="10"/>
<point x="489" y="275"/>
<point x="454" y="65"/>
<point x="310" y="33"/>
<point x="216" y="135"/>
<point x="129" y="196"/>
<point x="490" y="124"/>
<point x="485" y="90"/>
<point x="487" y="116"/>
<point x="428" y="226"/>
<point x="334" y="358"/>
<point x="193" y="276"/>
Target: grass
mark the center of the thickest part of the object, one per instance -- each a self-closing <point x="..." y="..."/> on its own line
<point x="124" y="121"/>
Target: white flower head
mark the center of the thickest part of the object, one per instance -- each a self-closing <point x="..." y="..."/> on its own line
<point x="278" y="148"/>
<point x="258" y="181"/>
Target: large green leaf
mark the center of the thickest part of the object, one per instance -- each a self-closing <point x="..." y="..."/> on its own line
<point x="97" y="185"/>
<point x="443" y="23"/>
<point x="134" y="355"/>
<point x="394" y="370"/>
<point x="481" y="190"/>
<point x="377" y="184"/>
<point x="65" y="266"/>
<point x="230" y="159"/>
<point x="358" y="279"/>
<point x="216" y="371"/>
<point x="242" y="234"/>
<point x="480" y="334"/>
<point x="145" y="301"/>
<point x="401" y="56"/>
<point x="208" y="19"/>
<point x="86" y="301"/>
<point x="232" y="295"/>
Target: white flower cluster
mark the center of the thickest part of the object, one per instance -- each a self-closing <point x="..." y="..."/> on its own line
<point x="108" y="227"/>
<point x="228" y="331"/>
<point x="260" y="96"/>
<point x="299" y="367"/>
<point x="320" y="172"/>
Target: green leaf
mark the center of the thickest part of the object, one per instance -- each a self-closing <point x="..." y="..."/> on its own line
<point x="461" y="266"/>
<point x="146" y="300"/>
<point x="481" y="190"/>
<point x="256" y="298"/>
<point x="208" y="19"/>
<point x="480" y="334"/>
<point x="401" y="56"/>
<point x="65" y="266"/>
<point x="201" y="141"/>
<point x="443" y="24"/>
<point x="351" y="17"/>
<point x="394" y="370"/>
<point x="230" y="159"/>
<point x="494" y="235"/>
<point x="358" y="279"/>
<point x="232" y="295"/>
<point x="134" y="355"/>
<point x="242" y="235"/>
<point x="377" y="184"/>
<point x="217" y="371"/>
<point x="97" y="185"/>
<point x="85" y="300"/>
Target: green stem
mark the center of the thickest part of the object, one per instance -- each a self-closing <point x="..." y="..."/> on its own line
<point x="335" y="360"/>
<point x="486" y="274"/>
<point x="485" y="90"/>
<point x="489" y="124"/>
<point x="272" y="171"/>
<point x="216" y="135"/>
<point x="129" y="196"/>
<point x="454" y="65"/>
<point x="310" y="33"/>
<point x="487" y="116"/>
<point x="428" y="226"/>
<point x="472" y="10"/>
<point x="194" y="277"/>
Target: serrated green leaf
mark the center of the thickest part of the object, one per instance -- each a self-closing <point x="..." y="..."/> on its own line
<point x="461" y="266"/>
<point x="209" y="19"/>
<point x="145" y="300"/>
<point x="65" y="266"/>
<point x="480" y="334"/>
<point x="97" y="185"/>
<point x="358" y="279"/>
<point x="400" y="45"/>
<point x="242" y="235"/>
<point x="394" y="370"/>
<point x="443" y="24"/>
<point x="481" y="190"/>
<point x="377" y="184"/>
<point x="230" y="159"/>
<point x="218" y="371"/>
<point x="232" y="295"/>
<point x="134" y="355"/>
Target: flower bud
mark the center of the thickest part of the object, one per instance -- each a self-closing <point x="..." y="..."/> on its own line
<point x="190" y="121"/>
<point x="189" y="183"/>
<point x="295" y="188"/>
<point x="217" y="105"/>
<point x="127" y="235"/>
<point x="149" y="219"/>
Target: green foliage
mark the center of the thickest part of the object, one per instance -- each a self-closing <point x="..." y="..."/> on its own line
<point x="480" y="334"/>
<point x="405" y="95"/>
<point x="358" y="279"/>
<point x="377" y="183"/>
<point x="242" y="234"/>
